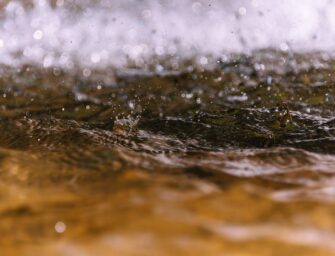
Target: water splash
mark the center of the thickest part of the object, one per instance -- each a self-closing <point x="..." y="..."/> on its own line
<point x="122" y="33"/>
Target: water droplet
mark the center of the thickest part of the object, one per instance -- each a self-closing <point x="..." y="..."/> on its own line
<point x="131" y="104"/>
<point x="284" y="47"/>
<point x="56" y="71"/>
<point x="86" y="72"/>
<point x="38" y="34"/>
<point x="95" y="57"/>
<point x="242" y="11"/>
<point x="203" y="60"/>
<point x="47" y="61"/>
<point x="60" y="227"/>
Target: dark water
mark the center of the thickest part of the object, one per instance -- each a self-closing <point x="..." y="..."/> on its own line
<point x="236" y="159"/>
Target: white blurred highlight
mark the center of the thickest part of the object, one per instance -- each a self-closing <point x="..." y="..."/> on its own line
<point x="112" y="33"/>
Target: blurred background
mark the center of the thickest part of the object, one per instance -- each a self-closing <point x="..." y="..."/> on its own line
<point x="114" y="33"/>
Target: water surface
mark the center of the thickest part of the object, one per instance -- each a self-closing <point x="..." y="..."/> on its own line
<point x="237" y="159"/>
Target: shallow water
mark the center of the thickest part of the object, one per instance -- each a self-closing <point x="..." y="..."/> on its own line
<point x="238" y="159"/>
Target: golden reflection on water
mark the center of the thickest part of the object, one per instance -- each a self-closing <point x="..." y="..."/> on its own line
<point x="47" y="209"/>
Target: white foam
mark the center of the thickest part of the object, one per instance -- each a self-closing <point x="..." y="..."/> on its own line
<point x="112" y="33"/>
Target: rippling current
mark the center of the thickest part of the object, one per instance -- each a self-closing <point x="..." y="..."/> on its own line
<point x="239" y="158"/>
<point x="194" y="127"/>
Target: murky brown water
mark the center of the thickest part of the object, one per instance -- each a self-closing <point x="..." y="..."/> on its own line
<point x="238" y="160"/>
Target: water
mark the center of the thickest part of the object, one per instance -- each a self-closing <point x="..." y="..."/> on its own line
<point x="97" y="34"/>
<point x="207" y="150"/>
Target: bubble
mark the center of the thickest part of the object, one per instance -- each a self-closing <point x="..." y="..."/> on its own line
<point x="2" y="44"/>
<point x="242" y="11"/>
<point x="70" y="64"/>
<point x="203" y="60"/>
<point x="47" y="61"/>
<point x="187" y="95"/>
<point x="95" y="57"/>
<point x="60" y="227"/>
<point x="38" y="34"/>
<point x="56" y="71"/>
<point x="86" y="72"/>
<point x="131" y="104"/>
<point x="284" y="47"/>
<point x="259" y="66"/>
<point x="159" y="68"/>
